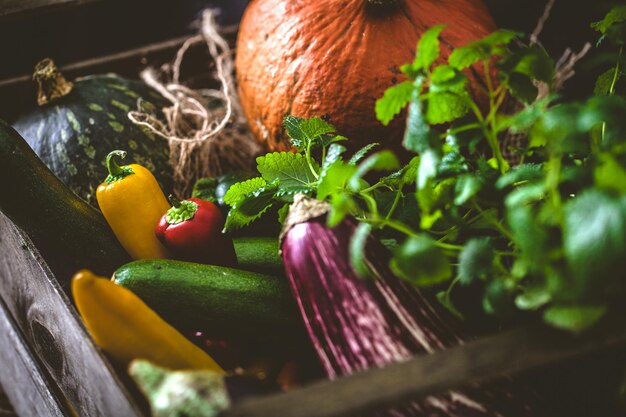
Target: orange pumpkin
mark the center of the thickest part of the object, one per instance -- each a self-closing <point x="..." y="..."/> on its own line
<point x="334" y="58"/>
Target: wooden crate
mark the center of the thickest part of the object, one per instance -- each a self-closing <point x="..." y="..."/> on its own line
<point x="50" y="367"/>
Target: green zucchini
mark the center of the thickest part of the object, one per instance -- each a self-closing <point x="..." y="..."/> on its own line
<point x="218" y="300"/>
<point x="259" y="254"/>
<point x="68" y="232"/>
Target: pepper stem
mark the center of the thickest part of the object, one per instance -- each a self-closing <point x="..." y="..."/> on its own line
<point x="183" y="211"/>
<point x="52" y="85"/>
<point x="116" y="172"/>
<point x="174" y="201"/>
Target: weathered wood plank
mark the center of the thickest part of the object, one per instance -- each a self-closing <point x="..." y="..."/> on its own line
<point x="21" y="377"/>
<point x="508" y="353"/>
<point x="128" y="63"/>
<point x="12" y="8"/>
<point x="6" y="409"/>
<point x="52" y="327"/>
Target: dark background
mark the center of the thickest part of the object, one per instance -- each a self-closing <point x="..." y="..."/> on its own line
<point x="102" y="27"/>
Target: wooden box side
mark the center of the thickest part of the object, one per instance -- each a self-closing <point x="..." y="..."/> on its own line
<point x="51" y="326"/>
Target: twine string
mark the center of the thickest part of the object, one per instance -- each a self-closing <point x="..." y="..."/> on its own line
<point x="205" y="128"/>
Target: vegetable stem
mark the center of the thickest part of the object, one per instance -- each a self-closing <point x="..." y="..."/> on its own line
<point x="552" y="180"/>
<point x="495" y="222"/>
<point x="395" y="203"/>
<point x="613" y="83"/>
<point x="116" y="172"/>
<point x="308" y="160"/>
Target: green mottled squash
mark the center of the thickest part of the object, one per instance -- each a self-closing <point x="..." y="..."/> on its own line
<point x="77" y="124"/>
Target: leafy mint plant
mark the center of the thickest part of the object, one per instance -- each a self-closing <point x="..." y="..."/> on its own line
<point x="544" y="234"/>
<point x="542" y="230"/>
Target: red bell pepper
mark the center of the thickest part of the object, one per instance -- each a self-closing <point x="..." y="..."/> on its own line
<point x="192" y="230"/>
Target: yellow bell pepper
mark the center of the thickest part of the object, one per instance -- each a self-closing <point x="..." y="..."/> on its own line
<point x="132" y="203"/>
<point x="126" y="328"/>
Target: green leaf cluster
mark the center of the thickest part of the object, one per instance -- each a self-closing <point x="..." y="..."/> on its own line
<point x="541" y="232"/>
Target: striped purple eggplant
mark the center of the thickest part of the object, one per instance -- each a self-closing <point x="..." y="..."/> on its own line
<point x="356" y="323"/>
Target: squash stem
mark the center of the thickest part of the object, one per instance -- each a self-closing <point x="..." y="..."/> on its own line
<point x="52" y="85"/>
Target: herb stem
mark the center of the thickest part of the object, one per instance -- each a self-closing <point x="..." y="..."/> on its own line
<point x="552" y="180"/>
<point x="489" y="124"/>
<point x="371" y="203"/>
<point x="495" y="222"/>
<point x="396" y="200"/>
<point x="449" y="246"/>
<point x="400" y="227"/>
<point x="462" y="129"/>
<point x="613" y="84"/>
<point x="616" y="72"/>
<point x="374" y="187"/>
<point x="308" y="160"/>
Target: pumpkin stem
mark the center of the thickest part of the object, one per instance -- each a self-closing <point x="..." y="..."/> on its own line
<point x="381" y="2"/>
<point x="52" y="85"/>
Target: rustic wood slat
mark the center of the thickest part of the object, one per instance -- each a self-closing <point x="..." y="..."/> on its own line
<point x="53" y="329"/>
<point x="21" y="377"/>
<point x="482" y="360"/>
<point x="6" y="409"/>
<point x="138" y="56"/>
<point x="13" y="8"/>
<point x="128" y="63"/>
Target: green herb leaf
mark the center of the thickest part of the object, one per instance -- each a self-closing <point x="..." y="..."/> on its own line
<point x="522" y="87"/>
<point x="341" y="204"/>
<point x="498" y="298"/>
<point x="610" y="175"/>
<point x="427" y="169"/>
<point x="333" y="155"/>
<point x="465" y="56"/>
<point x="360" y="154"/>
<point x="533" y="62"/>
<point x="453" y="164"/>
<point x="520" y="174"/>
<point x="239" y="190"/>
<point x="533" y="298"/>
<point x="447" y="95"/>
<point x="428" y="48"/>
<point x="574" y="318"/>
<point x="249" y="207"/>
<point x="530" y="235"/>
<point x="290" y="169"/>
<point x="444" y="107"/>
<point x="420" y="261"/>
<point x="613" y="26"/>
<point x="467" y="186"/>
<point x="444" y="299"/>
<point x="405" y="176"/>
<point x="335" y="179"/>
<point x="393" y="101"/>
<point x="282" y="213"/>
<point x="602" y="111"/>
<point x="482" y="49"/>
<point x="419" y="137"/>
<point x="613" y="17"/>
<point x="380" y="161"/>
<point x="594" y="238"/>
<point x="307" y="131"/>
<point x="358" y="242"/>
<point x="204" y="189"/>
<point x="476" y="260"/>
<point x="605" y="81"/>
